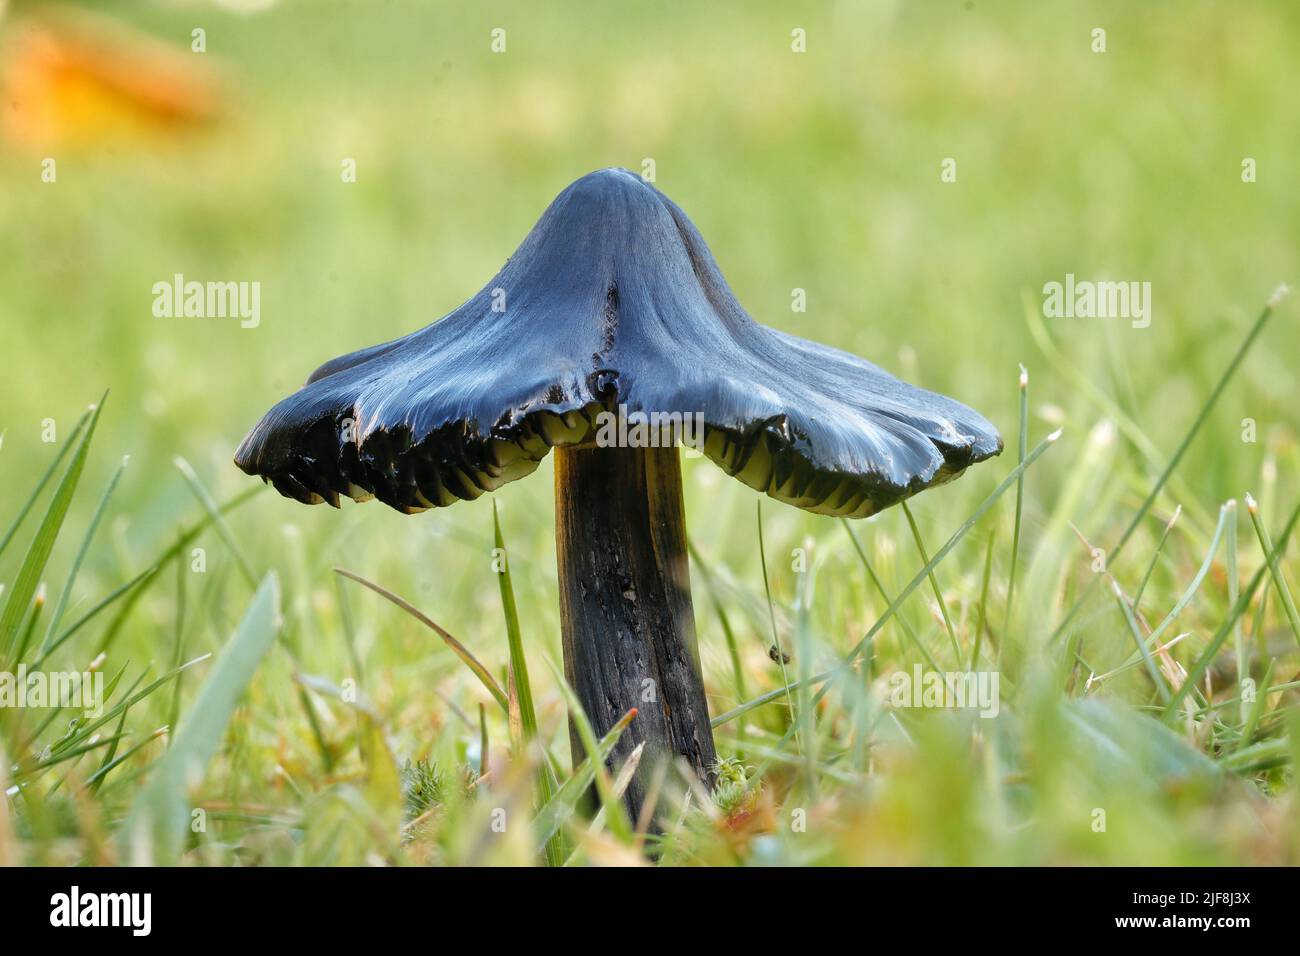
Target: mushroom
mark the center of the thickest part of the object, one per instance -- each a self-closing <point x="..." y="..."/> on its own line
<point x="606" y="335"/>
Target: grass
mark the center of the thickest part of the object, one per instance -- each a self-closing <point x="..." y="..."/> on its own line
<point x="410" y="709"/>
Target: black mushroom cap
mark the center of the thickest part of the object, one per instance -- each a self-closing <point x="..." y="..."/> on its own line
<point x="612" y="299"/>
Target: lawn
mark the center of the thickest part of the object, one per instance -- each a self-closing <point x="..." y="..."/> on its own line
<point x="902" y="189"/>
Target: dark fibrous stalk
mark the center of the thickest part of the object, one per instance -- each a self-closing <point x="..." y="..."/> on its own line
<point x="625" y="605"/>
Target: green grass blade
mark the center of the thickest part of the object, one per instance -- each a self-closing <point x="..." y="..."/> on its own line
<point x="728" y="633"/>
<point x="96" y="779"/>
<point x="83" y="732"/>
<point x="1274" y="568"/>
<point x="771" y="612"/>
<point x="1142" y="648"/>
<point x="1152" y="640"/>
<point x="554" y="815"/>
<point x="626" y="774"/>
<point x="1022" y="448"/>
<point x="135" y="594"/>
<point x="76" y="723"/>
<point x="1203" y="662"/>
<point x="317" y="732"/>
<point x="805" y="715"/>
<point x="106" y="601"/>
<point x="38" y="605"/>
<point x="616" y="813"/>
<point x="546" y="784"/>
<point x="1257" y="627"/>
<point x="69" y="752"/>
<point x="159" y="818"/>
<point x="1256" y="711"/>
<point x="178" y="641"/>
<point x="44" y="480"/>
<point x="1238" y="633"/>
<point x="912" y="585"/>
<point x="1262" y="756"/>
<point x="1155" y="556"/>
<point x="514" y="636"/>
<point x="1188" y="438"/>
<point x="349" y="628"/>
<point x="218" y="520"/>
<point x="29" y="575"/>
<point x="1225" y="513"/>
<point x="65" y="595"/>
<point x="884" y="595"/>
<point x="934" y="582"/>
<point x="109" y="760"/>
<point x="984" y="601"/>
<point x="1192" y="432"/>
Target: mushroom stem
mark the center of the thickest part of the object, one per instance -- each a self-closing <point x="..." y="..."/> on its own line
<point x="625" y="605"/>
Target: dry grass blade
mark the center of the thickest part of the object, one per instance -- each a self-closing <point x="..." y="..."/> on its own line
<point x="459" y="649"/>
<point x="620" y="785"/>
<point x="553" y="816"/>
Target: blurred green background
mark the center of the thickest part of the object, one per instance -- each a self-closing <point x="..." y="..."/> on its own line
<point x="817" y="170"/>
